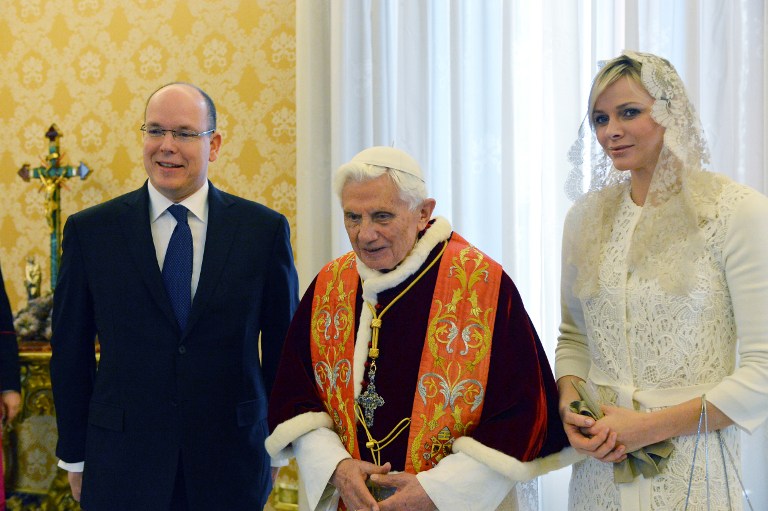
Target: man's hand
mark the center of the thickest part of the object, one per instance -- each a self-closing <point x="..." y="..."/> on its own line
<point x="410" y="494"/>
<point x="75" y="483"/>
<point x="349" y="478"/>
<point x="11" y="404"/>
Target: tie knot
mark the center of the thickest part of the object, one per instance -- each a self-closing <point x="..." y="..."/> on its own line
<point x="179" y="212"/>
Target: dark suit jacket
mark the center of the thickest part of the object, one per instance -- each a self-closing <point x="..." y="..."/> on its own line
<point x="160" y="394"/>
<point x="9" y="350"/>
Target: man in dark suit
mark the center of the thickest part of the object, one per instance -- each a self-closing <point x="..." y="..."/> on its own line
<point x="175" y="415"/>
<point x="10" y="382"/>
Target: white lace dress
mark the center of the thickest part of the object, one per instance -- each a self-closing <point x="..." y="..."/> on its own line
<point x="642" y="347"/>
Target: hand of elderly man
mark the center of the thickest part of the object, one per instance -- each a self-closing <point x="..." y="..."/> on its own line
<point x="349" y="478"/>
<point x="409" y="493"/>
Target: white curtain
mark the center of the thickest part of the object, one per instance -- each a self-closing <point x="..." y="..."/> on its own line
<point x="488" y="96"/>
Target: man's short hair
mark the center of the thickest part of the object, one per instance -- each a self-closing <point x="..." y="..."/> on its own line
<point x="208" y="102"/>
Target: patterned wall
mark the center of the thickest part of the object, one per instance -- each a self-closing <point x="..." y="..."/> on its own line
<point x="89" y="65"/>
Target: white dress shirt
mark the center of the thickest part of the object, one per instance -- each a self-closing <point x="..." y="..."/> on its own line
<point x="163" y="223"/>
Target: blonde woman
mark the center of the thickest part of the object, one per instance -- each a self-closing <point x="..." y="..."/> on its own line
<point x="664" y="298"/>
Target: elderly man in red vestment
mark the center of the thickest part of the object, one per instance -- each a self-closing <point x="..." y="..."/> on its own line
<point x="411" y="377"/>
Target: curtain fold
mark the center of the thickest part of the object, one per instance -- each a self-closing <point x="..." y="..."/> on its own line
<point x="488" y="97"/>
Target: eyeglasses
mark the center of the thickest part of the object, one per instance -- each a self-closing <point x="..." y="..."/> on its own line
<point x="182" y="135"/>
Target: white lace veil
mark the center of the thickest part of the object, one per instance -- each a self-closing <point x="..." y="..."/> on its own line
<point x="667" y="231"/>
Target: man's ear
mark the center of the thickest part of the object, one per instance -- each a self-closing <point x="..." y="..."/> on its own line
<point x="425" y="212"/>
<point x="215" y="146"/>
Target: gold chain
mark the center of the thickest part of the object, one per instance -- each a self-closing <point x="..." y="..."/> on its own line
<point x="373" y="351"/>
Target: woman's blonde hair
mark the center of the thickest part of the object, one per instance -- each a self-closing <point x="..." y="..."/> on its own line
<point x="611" y="72"/>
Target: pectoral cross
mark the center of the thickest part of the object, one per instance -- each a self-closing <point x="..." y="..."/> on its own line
<point x="51" y="174"/>
<point x="370" y="400"/>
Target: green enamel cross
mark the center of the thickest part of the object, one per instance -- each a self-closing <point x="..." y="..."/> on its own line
<point x="51" y="174"/>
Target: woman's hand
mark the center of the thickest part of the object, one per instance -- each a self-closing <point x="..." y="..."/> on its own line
<point x="634" y="429"/>
<point x="593" y="438"/>
<point x="586" y="435"/>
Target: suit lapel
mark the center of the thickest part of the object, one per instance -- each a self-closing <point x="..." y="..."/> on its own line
<point x="138" y="233"/>
<point x="222" y="224"/>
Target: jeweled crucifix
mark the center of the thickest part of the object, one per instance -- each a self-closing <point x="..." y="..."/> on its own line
<point x="51" y="174"/>
<point x="370" y="400"/>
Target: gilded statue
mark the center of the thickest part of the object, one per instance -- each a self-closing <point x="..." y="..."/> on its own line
<point x="52" y="201"/>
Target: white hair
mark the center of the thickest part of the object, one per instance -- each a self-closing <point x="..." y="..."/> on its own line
<point x="375" y="162"/>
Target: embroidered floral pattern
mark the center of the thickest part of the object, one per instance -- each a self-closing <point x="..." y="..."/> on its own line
<point x="454" y="364"/>
<point x="333" y="322"/>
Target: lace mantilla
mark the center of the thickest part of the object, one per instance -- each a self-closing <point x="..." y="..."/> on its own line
<point x="670" y="216"/>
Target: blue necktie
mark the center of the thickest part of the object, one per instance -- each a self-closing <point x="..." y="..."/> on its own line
<point x="177" y="267"/>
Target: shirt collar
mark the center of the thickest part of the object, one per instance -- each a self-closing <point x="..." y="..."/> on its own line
<point x="197" y="203"/>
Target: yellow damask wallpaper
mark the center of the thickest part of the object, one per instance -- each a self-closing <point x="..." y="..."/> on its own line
<point x="89" y="65"/>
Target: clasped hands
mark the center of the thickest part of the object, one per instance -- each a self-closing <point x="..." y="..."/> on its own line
<point x="609" y="439"/>
<point x="351" y="475"/>
<point x="594" y="438"/>
<point x="632" y="441"/>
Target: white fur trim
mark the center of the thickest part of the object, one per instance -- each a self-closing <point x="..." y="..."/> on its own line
<point x="361" y="348"/>
<point x="375" y="282"/>
<point x="278" y="443"/>
<point x="513" y="468"/>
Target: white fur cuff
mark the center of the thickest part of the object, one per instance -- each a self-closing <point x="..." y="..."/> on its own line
<point x="512" y="468"/>
<point x="278" y="443"/>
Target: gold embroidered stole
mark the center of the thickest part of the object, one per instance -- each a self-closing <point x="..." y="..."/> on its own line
<point x="333" y="345"/>
<point x="454" y="363"/>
